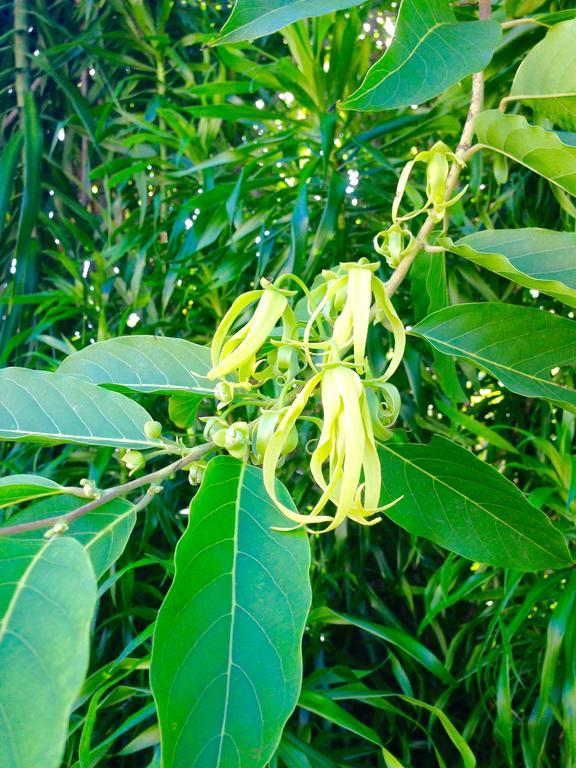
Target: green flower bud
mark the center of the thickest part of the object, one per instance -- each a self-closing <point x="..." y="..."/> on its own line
<point x="213" y="425"/>
<point x="133" y="460"/>
<point x="235" y="439"/>
<point x="153" y="430"/>
<point x="196" y="472"/>
<point x="224" y="393"/>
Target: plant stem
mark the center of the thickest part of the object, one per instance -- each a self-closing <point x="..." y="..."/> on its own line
<point x="476" y="104"/>
<point x="120" y="490"/>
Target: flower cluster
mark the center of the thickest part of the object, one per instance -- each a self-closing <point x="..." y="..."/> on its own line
<point x="288" y="351"/>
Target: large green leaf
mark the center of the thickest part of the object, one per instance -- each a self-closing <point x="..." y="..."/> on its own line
<point x="254" y="18"/>
<point x="41" y="407"/>
<point x="47" y="598"/>
<point x="103" y="533"/>
<point x="535" y="258"/>
<point x="546" y="79"/>
<point x="226" y="663"/>
<point x="18" y="488"/>
<point x="454" y="499"/>
<point x="144" y="364"/>
<point x="540" y="150"/>
<point x="519" y="345"/>
<point x="430" y="51"/>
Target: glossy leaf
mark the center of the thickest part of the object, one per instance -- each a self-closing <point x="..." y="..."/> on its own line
<point x="430" y="52"/>
<point x="520" y="345"/>
<point x="182" y="409"/>
<point x="535" y="258"/>
<point x="454" y="499"/>
<point x="254" y="18"/>
<point x="18" y="488"/>
<point x="144" y="364"/>
<point x="538" y="149"/>
<point x="546" y="79"/>
<point x="103" y="533"/>
<point x="226" y="662"/>
<point x="47" y="598"/>
<point x="41" y="407"/>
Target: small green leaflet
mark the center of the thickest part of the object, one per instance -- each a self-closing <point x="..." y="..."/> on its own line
<point x="47" y="598"/>
<point x="430" y="52"/>
<point x="546" y="79"/>
<point x="519" y="345"/>
<point x="465" y="505"/>
<point x="19" y="488"/>
<point x="541" y="259"/>
<point x="226" y="661"/>
<point x="254" y="18"/>
<point x="144" y="364"/>
<point x="542" y="151"/>
<point x="41" y="407"/>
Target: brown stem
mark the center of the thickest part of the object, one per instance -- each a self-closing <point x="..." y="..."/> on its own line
<point x="476" y="104"/>
<point x="114" y="493"/>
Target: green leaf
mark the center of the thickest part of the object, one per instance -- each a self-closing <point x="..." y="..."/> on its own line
<point x="519" y="345"/>
<point x="18" y="488"/>
<point x="540" y="150"/>
<point x="8" y="164"/>
<point x="454" y="499"/>
<point x="182" y="409"/>
<point x="546" y="79"/>
<point x="430" y="52"/>
<point x="535" y="258"/>
<point x="49" y="408"/>
<point x="47" y="598"/>
<point x="103" y="533"/>
<point x="254" y="18"/>
<point x="144" y="364"/>
<point x="226" y="662"/>
<point x="321" y="705"/>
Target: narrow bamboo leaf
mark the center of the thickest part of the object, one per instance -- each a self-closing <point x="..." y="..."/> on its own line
<point x="392" y="635"/>
<point x="103" y="533"/>
<point x="226" y="662"/>
<point x="454" y="499"/>
<point x="41" y="407"/>
<point x="542" y="151"/>
<point x="546" y="79"/>
<point x="47" y="598"/>
<point x="144" y="364"/>
<point x="8" y="165"/>
<point x="319" y="704"/>
<point x="19" y="488"/>
<point x="430" y="51"/>
<point x="254" y="18"/>
<point x="520" y="345"/>
<point x="32" y="189"/>
<point x="541" y="259"/>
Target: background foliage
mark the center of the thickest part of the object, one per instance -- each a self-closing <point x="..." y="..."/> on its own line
<point x="162" y="178"/>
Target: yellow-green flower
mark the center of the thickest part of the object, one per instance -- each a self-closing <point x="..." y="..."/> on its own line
<point x="237" y="353"/>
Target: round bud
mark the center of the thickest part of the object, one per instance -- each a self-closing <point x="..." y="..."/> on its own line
<point x="153" y="429"/>
<point x="133" y="460"/>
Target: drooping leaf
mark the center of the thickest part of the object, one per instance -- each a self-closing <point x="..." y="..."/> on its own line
<point x="41" y="407"/>
<point x="538" y="149"/>
<point x="47" y="598"/>
<point x="8" y="164"/>
<point x="520" y="345"/>
<point x="144" y="364"/>
<point x="546" y="79"/>
<point x="103" y="533"/>
<point x="319" y="704"/>
<point x="430" y="51"/>
<point x="541" y="259"/>
<point x="226" y="663"/>
<point x="454" y="499"/>
<point x="18" y="488"/>
<point x="254" y="18"/>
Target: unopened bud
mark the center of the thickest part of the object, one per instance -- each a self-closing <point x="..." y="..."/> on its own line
<point x="224" y="393"/>
<point x="56" y="530"/>
<point x="133" y="460"/>
<point x="153" y="429"/>
<point x="89" y="487"/>
<point x="196" y="472"/>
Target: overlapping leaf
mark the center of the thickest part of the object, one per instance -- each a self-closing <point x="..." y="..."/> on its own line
<point x="18" y="488"/>
<point x="541" y="259"/>
<point x="430" y="51"/>
<point x="520" y="345"/>
<point x="47" y="597"/>
<point x="454" y="499"/>
<point x="144" y="364"/>
<point x="37" y="406"/>
<point x="226" y="663"/>
<point x="538" y="149"/>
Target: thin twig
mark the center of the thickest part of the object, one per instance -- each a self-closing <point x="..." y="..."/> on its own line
<point x="476" y="104"/>
<point x="120" y="490"/>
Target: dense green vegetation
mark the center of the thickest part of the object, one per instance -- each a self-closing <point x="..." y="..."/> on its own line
<point x="148" y="179"/>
